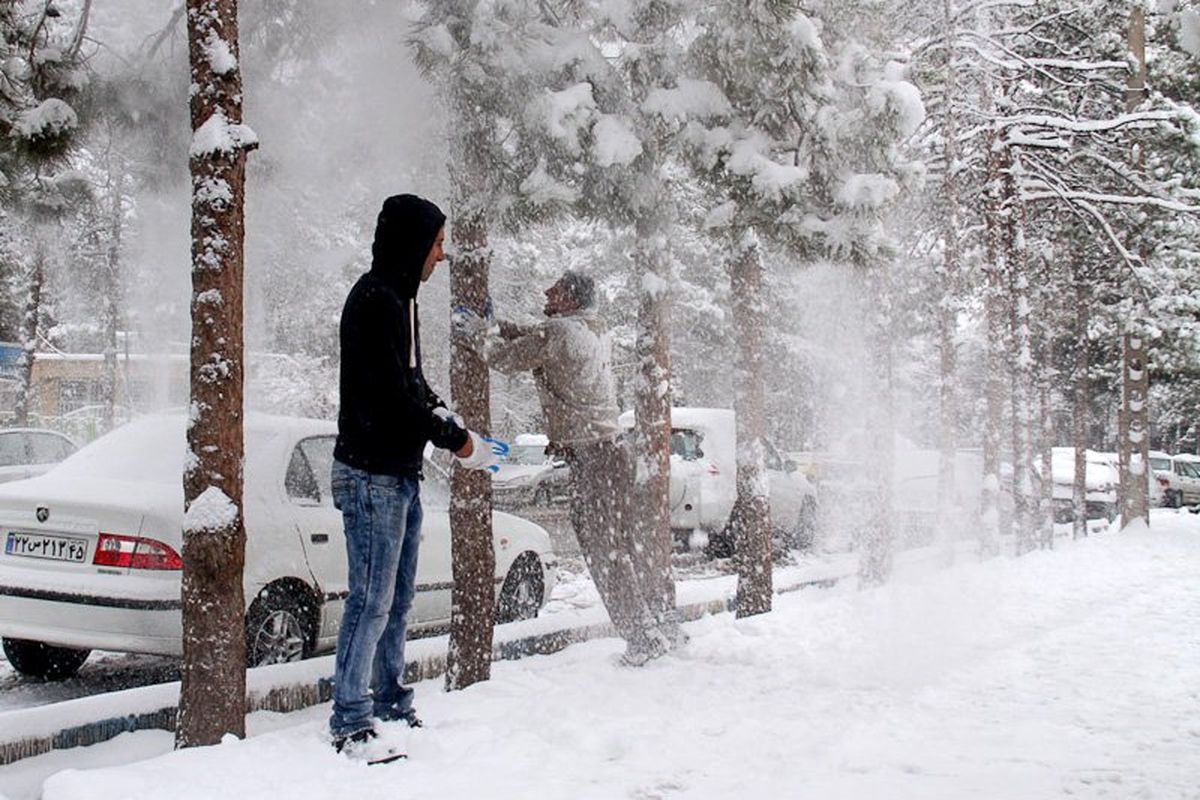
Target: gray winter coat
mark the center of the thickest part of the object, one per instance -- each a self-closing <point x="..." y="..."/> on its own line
<point x="570" y="356"/>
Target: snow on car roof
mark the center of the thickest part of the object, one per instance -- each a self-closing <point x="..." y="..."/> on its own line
<point x="531" y="440"/>
<point x="151" y="448"/>
<point x="689" y="417"/>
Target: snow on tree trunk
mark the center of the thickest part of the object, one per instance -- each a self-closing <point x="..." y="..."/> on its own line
<point x="29" y="332"/>
<point x="875" y="560"/>
<point x="1134" y="418"/>
<point x="1134" y="430"/>
<point x="212" y="700"/>
<point x="473" y="560"/>
<point x="750" y="520"/>
<point x="652" y="408"/>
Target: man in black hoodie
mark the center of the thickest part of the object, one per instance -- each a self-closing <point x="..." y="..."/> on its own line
<point x="388" y="413"/>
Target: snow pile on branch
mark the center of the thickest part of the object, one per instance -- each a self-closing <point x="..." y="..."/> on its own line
<point x="900" y="99"/>
<point x="564" y="114"/>
<point x="770" y="178"/>
<point x="690" y="98"/>
<point x="806" y="34"/>
<point x="867" y="191"/>
<point x="542" y="189"/>
<point x="50" y="119"/>
<point x="614" y="142"/>
<point x="211" y="511"/>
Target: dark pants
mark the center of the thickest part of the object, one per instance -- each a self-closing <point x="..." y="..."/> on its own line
<point x="608" y="531"/>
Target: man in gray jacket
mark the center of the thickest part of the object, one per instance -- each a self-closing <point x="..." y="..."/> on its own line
<point x="570" y="357"/>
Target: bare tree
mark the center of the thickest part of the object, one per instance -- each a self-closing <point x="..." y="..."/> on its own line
<point x="212" y="698"/>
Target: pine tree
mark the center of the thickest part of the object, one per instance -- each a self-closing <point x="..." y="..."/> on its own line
<point x="212" y="699"/>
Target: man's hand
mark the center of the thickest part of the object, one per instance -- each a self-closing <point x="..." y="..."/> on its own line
<point x="481" y="452"/>
<point x="445" y="413"/>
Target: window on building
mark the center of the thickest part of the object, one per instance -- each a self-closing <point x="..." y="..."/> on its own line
<point x="76" y="394"/>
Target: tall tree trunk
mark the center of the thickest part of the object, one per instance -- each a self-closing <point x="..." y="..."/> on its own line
<point x="1082" y="409"/>
<point x="29" y="332"/>
<point x="876" y="559"/>
<point x="1021" y="358"/>
<point x="947" y="310"/>
<point x="473" y="560"/>
<point x="1134" y="418"/>
<point x="111" y="288"/>
<point x="212" y="699"/>
<point x="751" y="518"/>
<point x="652" y="406"/>
<point x="993" y="512"/>
<point x="1045" y="440"/>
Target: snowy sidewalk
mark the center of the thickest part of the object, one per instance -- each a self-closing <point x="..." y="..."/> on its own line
<point x="1068" y="673"/>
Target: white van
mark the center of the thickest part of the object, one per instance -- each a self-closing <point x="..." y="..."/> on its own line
<point x="704" y="481"/>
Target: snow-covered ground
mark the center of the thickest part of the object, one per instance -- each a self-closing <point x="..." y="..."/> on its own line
<point x="1071" y="673"/>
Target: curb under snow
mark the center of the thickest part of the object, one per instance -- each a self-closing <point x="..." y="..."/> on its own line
<point x="283" y="688"/>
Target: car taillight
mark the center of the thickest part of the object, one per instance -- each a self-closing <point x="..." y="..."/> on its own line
<point x="1163" y="482"/>
<point x="134" y="552"/>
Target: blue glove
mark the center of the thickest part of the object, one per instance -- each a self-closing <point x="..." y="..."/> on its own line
<point x="499" y="448"/>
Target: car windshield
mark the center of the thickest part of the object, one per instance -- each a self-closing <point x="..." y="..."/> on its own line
<point x="12" y="449"/>
<point x="686" y="444"/>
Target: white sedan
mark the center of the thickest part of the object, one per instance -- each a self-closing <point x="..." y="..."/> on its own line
<point x="91" y="549"/>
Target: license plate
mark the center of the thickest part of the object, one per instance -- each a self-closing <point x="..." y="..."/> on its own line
<point x="40" y="545"/>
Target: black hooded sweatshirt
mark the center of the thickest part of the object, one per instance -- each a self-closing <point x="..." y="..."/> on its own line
<point x="386" y="413"/>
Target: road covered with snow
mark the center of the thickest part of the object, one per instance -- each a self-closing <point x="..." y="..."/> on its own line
<point x="1070" y="673"/>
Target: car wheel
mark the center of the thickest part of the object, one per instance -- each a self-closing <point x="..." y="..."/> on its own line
<point x="44" y="661"/>
<point x="1174" y="499"/>
<point x="278" y="629"/>
<point x="521" y="595"/>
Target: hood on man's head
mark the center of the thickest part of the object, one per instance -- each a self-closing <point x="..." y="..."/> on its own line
<point x="404" y="233"/>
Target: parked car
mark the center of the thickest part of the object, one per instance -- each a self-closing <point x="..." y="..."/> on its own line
<point x="703" y="483"/>
<point x="528" y="476"/>
<point x="25" y="452"/>
<point x="1161" y="475"/>
<point x="1102" y="479"/>
<point x="92" y="549"/>
<point x="1184" y="483"/>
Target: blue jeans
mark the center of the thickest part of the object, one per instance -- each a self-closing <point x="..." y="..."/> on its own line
<point x="382" y="519"/>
